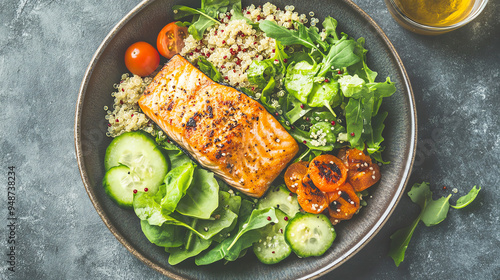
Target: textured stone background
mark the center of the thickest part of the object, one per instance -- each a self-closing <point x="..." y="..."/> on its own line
<point x="45" y="47"/>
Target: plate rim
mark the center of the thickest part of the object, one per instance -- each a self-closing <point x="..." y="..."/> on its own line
<point x="321" y="271"/>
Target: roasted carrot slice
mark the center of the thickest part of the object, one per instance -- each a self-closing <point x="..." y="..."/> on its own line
<point x="294" y="175"/>
<point x="363" y="173"/>
<point x="327" y="172"/>
<point x="361" y="180"/>
<point x="310" y="198"/>
<point x="343" y="203"/>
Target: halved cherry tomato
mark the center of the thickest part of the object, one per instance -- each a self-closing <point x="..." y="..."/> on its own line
<point x="142" y="59"/>
<point x="361" y="180"/>
<point x="310" y="198"/>
<point x="170" y="40"/>
<point x="363" y="173"/>
<point x="327" y="172"/>
<point x="294" y="175"/>
<point x="343" y="203"/>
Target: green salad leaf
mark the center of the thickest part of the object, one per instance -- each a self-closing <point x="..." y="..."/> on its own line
<point x="177" y="182"/>
<point x="165" y="235"/>
<point x="287" y="36"/>
<point x="231" y="248"/>
<point x="432" y="213"/>
<point x="209" y="69"/>
<point x="201" y="198"/>
<point x="467" y="199"/>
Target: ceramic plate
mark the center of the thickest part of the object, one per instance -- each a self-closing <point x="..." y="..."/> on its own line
<point x="143" y="24"/>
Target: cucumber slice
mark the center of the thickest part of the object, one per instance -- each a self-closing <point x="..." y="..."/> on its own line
<point x="118" y="184"/>
<point x="133" y="162"/>
<point x="309" y="234"/>
<point x="272" y="247"/>
<point x="280" y="198"/>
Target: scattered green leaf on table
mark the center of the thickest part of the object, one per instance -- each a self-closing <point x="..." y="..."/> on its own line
<point x="467" y="199"/>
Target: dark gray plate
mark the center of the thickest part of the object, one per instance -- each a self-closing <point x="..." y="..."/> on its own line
<point x="143" y="24"/>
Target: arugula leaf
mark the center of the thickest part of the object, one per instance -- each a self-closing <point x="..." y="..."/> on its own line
<point x="354" y="119"/>
<point x="297" y="112"/>
<point x="375" y="138"/>
<point x="330" y="25"/>
<point x="435" y="211"/>
<point x="209" y="69"/>
<point x="177" y="181"/>
<point x="353" y="86"/>
<point x="467" y="199"/>
<point x="316" y="38"/>
<point x="400" y="240"/>
<point x="202" y="196"/>
<point x="432" y="213"/>
<point x="340" y="55"/>
<point x="287" y="36"/>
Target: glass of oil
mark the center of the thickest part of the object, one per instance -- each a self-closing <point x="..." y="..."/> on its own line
<point x="433" y="17"/>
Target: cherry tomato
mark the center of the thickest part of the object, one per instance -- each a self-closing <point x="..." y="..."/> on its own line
<point x="142" y="59"/>
<point x="294" y="175"/>
<point x="170" y="40"/>
<point x="327" y="172"/>
<point x="310" y="198"/>
<point x="343" y="203"/>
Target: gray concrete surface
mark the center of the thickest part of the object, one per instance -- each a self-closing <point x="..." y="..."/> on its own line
<point x="45" y="47"/>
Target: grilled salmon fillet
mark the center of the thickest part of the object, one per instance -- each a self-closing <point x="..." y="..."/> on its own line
<point x="226" y="131"/>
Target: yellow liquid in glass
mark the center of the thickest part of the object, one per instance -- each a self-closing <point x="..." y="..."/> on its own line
<point x="436" y="12"/>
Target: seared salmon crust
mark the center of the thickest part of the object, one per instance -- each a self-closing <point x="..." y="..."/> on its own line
<point x="226" y="131"/>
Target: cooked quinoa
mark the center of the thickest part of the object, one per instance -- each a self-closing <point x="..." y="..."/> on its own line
<point x="232" y="45"/>
<point x="127" y="115"/>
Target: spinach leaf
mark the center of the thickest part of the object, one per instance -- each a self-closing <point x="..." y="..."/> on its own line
<point x="165" y="235"/>
<point x="202" y="196"/>
<point x="146" y="208"/>
<point x="231" y="203"/>
<point x="247" y="234"/>
<point x="299" y="80"/>
<point x="180" y="254"/>
<point x="177" y="158"/>
<point x="325" y="94"/>
<point x="209" y="69"/>
<point x="222" y="219"/>
<point x="287" y="36"/>
<point x="260" y="71"/>
<point x="467" y="199"/>
<point x="177" y="181"/>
